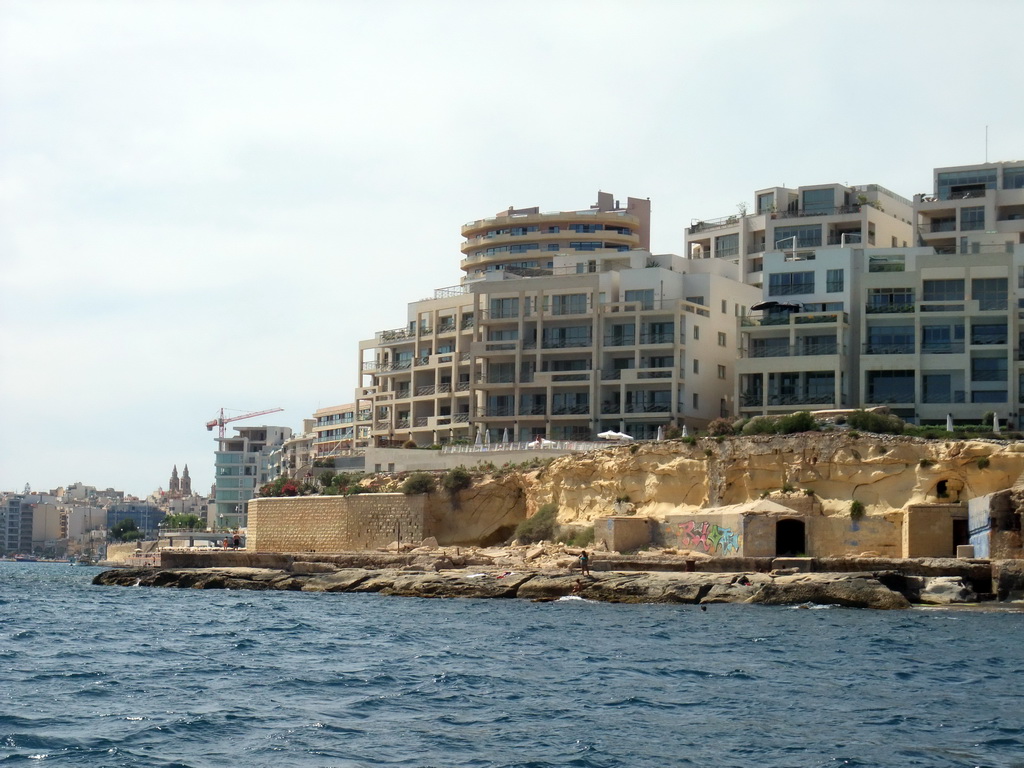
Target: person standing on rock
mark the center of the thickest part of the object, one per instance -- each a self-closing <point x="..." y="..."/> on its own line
<point x="584" y="563"/>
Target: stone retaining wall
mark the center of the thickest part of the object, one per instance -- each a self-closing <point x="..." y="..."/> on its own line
<point x="335" y="523"/>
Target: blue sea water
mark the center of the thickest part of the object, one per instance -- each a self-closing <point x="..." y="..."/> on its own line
<point x="115" y="676"/>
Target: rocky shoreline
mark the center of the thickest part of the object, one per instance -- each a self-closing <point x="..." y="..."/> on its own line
<point x="879" y="589"/>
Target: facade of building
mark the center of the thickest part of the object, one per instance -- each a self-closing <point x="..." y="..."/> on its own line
<point x="564" y="325"/>
<point x="146" y="516"/>
<point x="242" y="465"/>
<point x="335" y="432"/>
<point x="800" y="220"/>
<point x="931" y="331"/>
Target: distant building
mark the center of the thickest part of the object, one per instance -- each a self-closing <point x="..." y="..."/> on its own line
<point x="242" y="465"/>
<point x="146" y="516"/>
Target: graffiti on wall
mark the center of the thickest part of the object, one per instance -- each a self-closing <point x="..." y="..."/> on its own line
<point x="709" y="537"/>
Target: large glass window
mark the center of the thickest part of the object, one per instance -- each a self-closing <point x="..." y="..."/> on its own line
<point x="957" y="185"/>
<point x="890" y="300"/>
<point x="988" y="369"/>
<point x="988" y="333"/>
<point x="943" y="290"/>
<point x="765" y="202"/>
<point x="727" y="245"/>
<point x="821" y="384"/>
<point x="575" y="336"/>
<point x="569" y="304"/>
<point x="658" y="333"/>
<point x="990" y="292"/>
<point x="645" y="297"/>
<point x="942" y="339"/>
<point x="807" y="236"/>
<point x="620" y="335"/>
<point x="504" y="308"/>
<point x="790" y="283"/>
<point x="819" y="201"/>
<point x="890" y="340"/>
<point x="1013" y="178"/>
<point x="834" y="281"/>
<point x="972" y="218"/>
<point x="936" y="388"/>
<point x="890" y="386"/>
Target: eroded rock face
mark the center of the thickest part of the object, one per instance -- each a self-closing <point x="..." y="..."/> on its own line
<point x="885" y="473"/>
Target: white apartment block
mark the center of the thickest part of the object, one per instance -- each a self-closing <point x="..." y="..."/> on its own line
<point x="564" y="325"/>
<point x="800" y="219"/>
<point x="243" y="463"/>
<point x="929" y="330"/>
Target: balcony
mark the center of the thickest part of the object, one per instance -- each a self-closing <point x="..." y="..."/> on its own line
<point x="889" y="309"/>
<point x="395" y="334"/>
<point x="619" y="340"/>
<point x="657" y="337"/>
<point x="564" y="343"/>
<point x="942" y="348"/>
<point x="871" y="348"/>
<point x="644" y="407"/>
<point x="570" y="410"/>
<point x="495" y="412"/>
<point x="944" y="397"/>
<point x="799" y="350"/>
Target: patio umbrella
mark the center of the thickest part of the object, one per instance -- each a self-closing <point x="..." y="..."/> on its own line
<point x="661" y="435"/>
<point x="487" y="437"/>
<point x="949" y="422"/>
<point x="504" y="437"/>
<point x="995" y="423"/>
<point x="684" y="432"/>
<point x="479" y="436"/>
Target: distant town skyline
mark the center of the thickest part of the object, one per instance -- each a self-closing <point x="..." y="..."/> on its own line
<point x="209" y="205"/>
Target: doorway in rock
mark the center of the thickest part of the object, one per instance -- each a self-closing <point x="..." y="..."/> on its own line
<point x="790" y="538"/>
<point x="961" y="532"/>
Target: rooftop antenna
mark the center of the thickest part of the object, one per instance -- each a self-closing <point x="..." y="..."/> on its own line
<point x="986" y="143"/>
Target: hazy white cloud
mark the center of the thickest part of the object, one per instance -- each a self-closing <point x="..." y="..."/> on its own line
<point x="208" y="204"/>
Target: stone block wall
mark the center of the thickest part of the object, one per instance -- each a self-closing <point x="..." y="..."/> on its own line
<point x="335" y="523"/>
<point x="624" y="534"/>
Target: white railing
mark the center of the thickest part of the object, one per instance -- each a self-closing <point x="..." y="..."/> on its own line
<point x="547" y="445"/>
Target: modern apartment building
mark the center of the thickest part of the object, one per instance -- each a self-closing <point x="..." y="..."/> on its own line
<point x="335" y="432"/>
<point x="243" y="464"/>
<point x="564" y="325"/>
<point x="801" y="219"/>
<point x="931" y="330"/>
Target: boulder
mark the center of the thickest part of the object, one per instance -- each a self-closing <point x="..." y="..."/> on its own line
<point x="943" y="590"/>
<point x="849" y="590"/>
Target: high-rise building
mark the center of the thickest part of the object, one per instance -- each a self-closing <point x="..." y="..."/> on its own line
<point x="564" y="325"/>
<point x="243" y="464"/>
<point x="931" y="330"/>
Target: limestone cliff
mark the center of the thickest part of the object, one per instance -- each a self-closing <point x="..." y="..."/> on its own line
<point x="885" y="473"/>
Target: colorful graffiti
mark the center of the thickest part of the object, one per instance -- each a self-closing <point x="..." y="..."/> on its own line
<point x="709" y="537"/>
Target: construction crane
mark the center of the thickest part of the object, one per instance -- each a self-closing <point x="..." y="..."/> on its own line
<point x="220" y="421"/>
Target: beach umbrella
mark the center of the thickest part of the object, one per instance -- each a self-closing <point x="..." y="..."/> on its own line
<point x="684" y="432"/>
<point x="479" y="436"/>
<point x="661" y="435"/>
<point x="504" y="437"/>
<point x="949" y="422"/>
<point x="487" y="437"/>
<point x="995" y="423"/>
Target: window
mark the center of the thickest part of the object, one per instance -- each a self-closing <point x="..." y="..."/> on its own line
<point x="821" y="385"/>
<point x="585" y="228"/>
<point x="988" y="369"/>
<point x="569" y="304"/>
<point x="721" y="371"/>
<point x="942" y="339"/>
<point x="943" y="290"/>
<point x="725" y="307"/>
<point x="765" y="202"/>
<point x="936" y="388"/>
<point x="989" y="396"/>
<point x="722" y="339"/>
<point x="727" y="245"/>
<point x="555" y="229"/>
<point x="972" y="218"/>
<point x="585" y="246"/>
<point x="658" y="333"/>
<point x="890" y="386"/>
<point x="645" y="297"/>
<point x="696" y="332"/>
<point x="959" y="185"/>
<point x="990" y="292"/>
<point x="516" y="231"/>
<point x="890" y="340"/>
<point x="1013" y="178"/>
<point x="890" y="300"/>
<point x="696" y="366"/>
<point x="505" y="308"/>
<point x="807" y="236"/>
<point x="894" y="263"/>
<point x="790" y="283"/>
<point x="819" y="201"/>
<point x="834" y="281"/>
<point x="575" y="336"/>
<point x="988" y="333"/>
<point x="506" y="335"/>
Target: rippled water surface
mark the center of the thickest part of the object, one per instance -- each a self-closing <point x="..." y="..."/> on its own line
<point x="114" y="676"/>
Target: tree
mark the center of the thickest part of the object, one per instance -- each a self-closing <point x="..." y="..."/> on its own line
<point x="126" y="530"/>
<point x="182" y="520"/>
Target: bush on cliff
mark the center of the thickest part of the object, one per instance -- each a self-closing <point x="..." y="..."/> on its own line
<point x="718" y="427"/>
<point x="540" y="527"/>
<point x="456" y="479"/>
<point x="418" y="482"/>
<point x="879" y="423"/>
<point x="801" y="421"/>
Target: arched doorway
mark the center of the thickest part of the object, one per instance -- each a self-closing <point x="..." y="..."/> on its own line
<point x="790" y="538"/>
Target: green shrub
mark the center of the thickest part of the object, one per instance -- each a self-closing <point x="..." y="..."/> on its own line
<point x="983" y="462"/>
<point x="539" y="527"/>
<point x="577" y="537"/>
<point x="634" y="448"/>
<point x="719" y="427"/>
<point x="690" y="440"/>
<point x="409" y="444"/>
<point x="759" y="425"/>
<point x="801" y="421"/>
<point x="456" y="479"/>
<point x="326" y="479"/>
<point x="416" y="483"/>
<point x="708" y="452"/>
<point x="856" y="510"/>
<point x="673" y="433"/>
<point x="879" y="423"/>
<point x="925" y="463"/>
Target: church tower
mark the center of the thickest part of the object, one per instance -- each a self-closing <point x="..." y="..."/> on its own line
<point x="174" y="487"/>
<point x="186" y="483"/>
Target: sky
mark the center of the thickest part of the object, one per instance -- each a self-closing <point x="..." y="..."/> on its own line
<point x="208" y="204"/>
